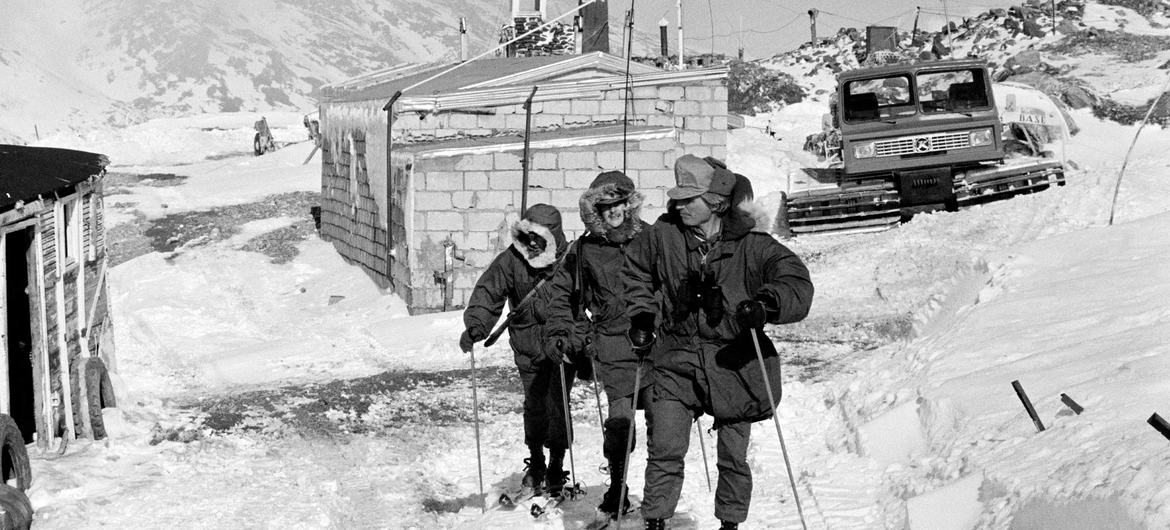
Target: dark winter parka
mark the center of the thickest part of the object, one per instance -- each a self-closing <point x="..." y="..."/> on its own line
<point x="703" y="357"/>
<point x="510" y="277"/>
<point x="594" y="280"/>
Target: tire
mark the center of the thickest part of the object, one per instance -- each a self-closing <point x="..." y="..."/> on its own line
<point x="100" y="392"/>
<point x="257" y="148"/>
<point x="13" y="454"/>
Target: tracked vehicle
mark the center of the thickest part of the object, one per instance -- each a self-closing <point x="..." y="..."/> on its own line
<point x="918" y="137"/>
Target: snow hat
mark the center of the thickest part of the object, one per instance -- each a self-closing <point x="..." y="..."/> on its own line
<point x="694" y="176"/>
<point x="612" y="187"/>
<point x="541" y="221"/>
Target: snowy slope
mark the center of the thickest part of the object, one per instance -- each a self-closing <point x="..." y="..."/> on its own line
<point x="75" y="64"/>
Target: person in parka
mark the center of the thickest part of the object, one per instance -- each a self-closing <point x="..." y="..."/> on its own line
<point x="610" y="213"/>
<point x="519" y="276"/>
<point x="698" y="281"/>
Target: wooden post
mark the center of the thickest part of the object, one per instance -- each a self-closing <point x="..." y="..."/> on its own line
<point x="40" y="342"/>
<point x="812" y="25"/>
<point x="1027" y="405"/>
<point x="1160" y="425"/>
<point x="1076" y="407"/>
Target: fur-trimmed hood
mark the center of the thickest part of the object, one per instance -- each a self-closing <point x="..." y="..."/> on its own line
<point x="544" y="221"/>
<point x="595" y="224"/>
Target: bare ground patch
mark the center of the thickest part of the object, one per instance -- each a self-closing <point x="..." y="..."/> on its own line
<point x="130" y="240"/>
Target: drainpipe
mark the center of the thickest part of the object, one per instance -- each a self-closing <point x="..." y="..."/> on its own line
<point x="390" y="115"/>
<point x="524" y="162"/>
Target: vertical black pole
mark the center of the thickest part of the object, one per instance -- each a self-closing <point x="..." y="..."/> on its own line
<point x="524" y="162"/>
<point x="626" y="107"/>
<point x="663" y="49"/>
<point x="1027" y="405"/>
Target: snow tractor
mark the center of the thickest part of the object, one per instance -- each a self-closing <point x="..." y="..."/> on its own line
<point x="917" y="137"/>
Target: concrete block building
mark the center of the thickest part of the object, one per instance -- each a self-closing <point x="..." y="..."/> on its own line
<point x="423" y="167"/>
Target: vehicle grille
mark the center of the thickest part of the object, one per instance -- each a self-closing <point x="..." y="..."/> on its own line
<point x="912" y="145"/>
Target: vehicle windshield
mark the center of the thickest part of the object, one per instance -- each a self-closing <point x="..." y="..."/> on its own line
<point x="878" y="98"/>
<point x="952" y="91"/>
<point x="892" y="97"/>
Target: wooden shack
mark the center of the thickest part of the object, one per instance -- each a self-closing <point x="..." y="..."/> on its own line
<point x="420" y="189"/>
<point x="53" y="296"/>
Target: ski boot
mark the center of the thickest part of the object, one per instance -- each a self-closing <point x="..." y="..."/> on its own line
<point x="534" y="471"/>
<point x="556" y="476"/>
<point x="655" y="524"/>
<point x="616" y="432"/>
<point x="728" y="525"/>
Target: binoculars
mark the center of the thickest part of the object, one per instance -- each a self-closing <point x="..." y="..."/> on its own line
<point x="700" y="290"/>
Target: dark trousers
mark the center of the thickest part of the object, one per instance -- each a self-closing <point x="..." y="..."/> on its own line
<point x="544" y="403"/>
<point x="669" y="429"/>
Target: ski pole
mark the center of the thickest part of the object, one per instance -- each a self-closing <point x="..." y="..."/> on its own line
<point x="629" y="442"/>
<point x="776" y="420"/>
<point x="475" y="411"/>
<point x="568" y="428"/>
<point x="703" y="446"/>
<point x="597" y="393"/>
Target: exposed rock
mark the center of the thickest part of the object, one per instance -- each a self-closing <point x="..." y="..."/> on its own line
<point x="1033" y="29"/>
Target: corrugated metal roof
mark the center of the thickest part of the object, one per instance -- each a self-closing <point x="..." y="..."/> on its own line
<point x="469" y="74"/>
<point x="28" y="172"/>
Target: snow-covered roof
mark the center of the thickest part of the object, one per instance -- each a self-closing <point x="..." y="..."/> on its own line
<point x="28" y="172"/>
<point x="482" y="73"/>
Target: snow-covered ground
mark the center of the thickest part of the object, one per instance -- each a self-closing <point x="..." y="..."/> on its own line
<point x="921" y="430"/>
<point x="257" y="393"/>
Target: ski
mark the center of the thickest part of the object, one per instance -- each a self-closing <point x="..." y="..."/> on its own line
<point x="541" y="512"/>
<point x="605" y="520"/>
<point x="509" y="499"/>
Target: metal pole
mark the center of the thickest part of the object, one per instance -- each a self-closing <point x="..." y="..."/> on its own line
<point x="776" y="420"/>
<point x="568" y="432"/>
<point x="626" y="107"/>
<point x="597" y="394"/>
<point x="703" y="447"/>
<point x="524" y="162"/>
<point x="629" y="442"/>
<point x="947" y="26"/>
<point x="475" y="410"/>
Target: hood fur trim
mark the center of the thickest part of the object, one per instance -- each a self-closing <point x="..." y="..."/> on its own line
<point x="596" y="225"/>
<point x="542" y="260"/>
<point x="759" y="214"/>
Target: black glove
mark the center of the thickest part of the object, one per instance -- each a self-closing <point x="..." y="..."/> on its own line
<point x="560" y="349"/>
<point x="641" y="333"/>
<point x="467" y="341"/>
<point x="751" y="314"/>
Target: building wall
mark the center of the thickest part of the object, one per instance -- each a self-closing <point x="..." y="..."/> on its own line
<point x="471" y="199"/>
<point x="350" y="216"/>
<point x="65" y="296"/>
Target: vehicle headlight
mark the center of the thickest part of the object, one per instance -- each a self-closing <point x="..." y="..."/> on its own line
<point x="981" y="137"/>
<point x="865" y="150"/>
